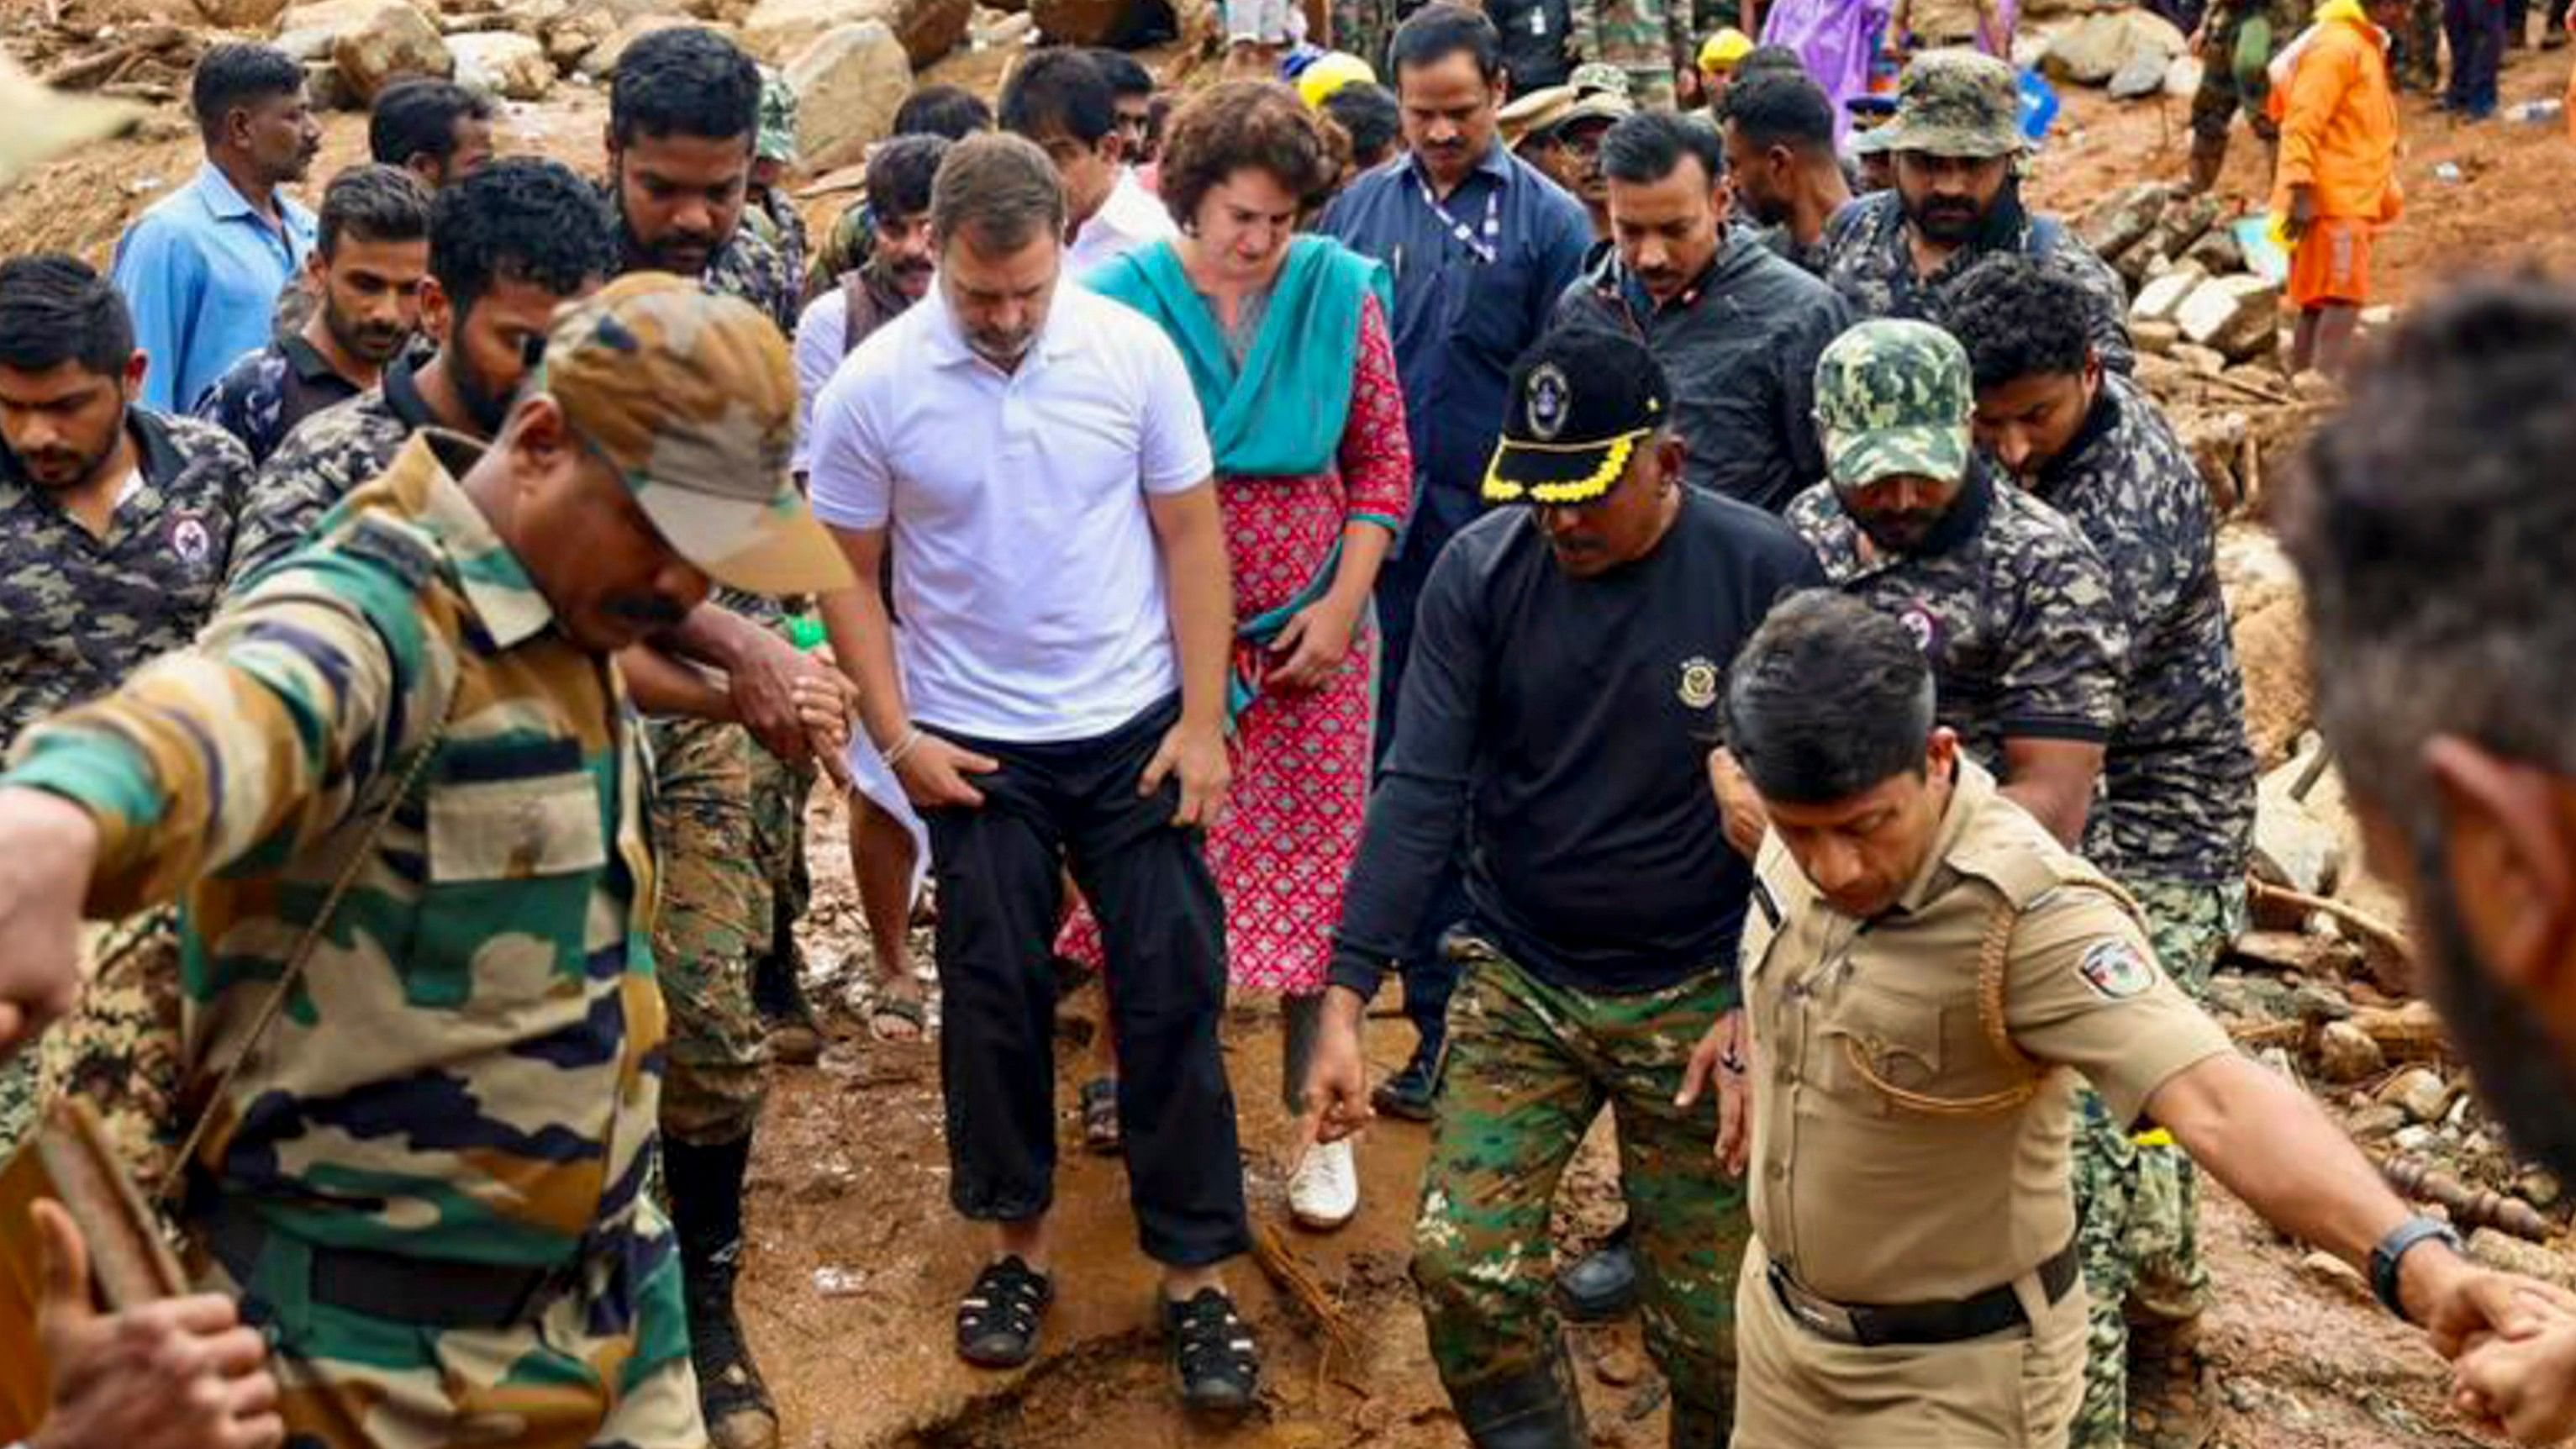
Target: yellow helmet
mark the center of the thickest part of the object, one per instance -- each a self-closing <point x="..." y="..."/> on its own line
<point x="1722" y="50"/>
<point x="1329" y="73"/>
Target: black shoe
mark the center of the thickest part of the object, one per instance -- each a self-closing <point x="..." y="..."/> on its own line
<point x="1220" y="1371"/>
<point x="1601" y="1285"/>
<point x="1535" y="1410"/>
<point x="705" y="1183"/>
<point x="1412" y="1094"/>
<point x="998" y="1320"/>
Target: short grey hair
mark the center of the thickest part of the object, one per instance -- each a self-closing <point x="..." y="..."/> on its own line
<point x="999" y="190"/>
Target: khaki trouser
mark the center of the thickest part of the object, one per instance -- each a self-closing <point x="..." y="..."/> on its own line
<point x="1795" y="1389"/>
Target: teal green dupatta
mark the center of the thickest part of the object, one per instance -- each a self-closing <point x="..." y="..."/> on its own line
<point x="1282" y="414"/>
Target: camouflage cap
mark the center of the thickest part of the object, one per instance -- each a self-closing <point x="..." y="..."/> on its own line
<point x="1893" y="397"/>
<point x="1956" y="103"/>
<point x="689" y="396"/>
<point x="1595" y="77"/>
<point x="777" y="119"/>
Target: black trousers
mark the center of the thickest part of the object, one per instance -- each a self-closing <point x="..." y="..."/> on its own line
<point x="1163" y="928"/>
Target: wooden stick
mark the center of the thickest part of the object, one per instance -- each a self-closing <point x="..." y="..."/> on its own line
<point x="1288" y="1272"/>
<point x="2362" y="921"/>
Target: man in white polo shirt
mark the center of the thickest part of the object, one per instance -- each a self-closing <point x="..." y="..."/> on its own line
<point x="1035" y="457"/>
<point x="1062" y="100"/>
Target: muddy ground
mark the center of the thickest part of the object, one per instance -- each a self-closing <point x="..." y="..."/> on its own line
<point x="855" y="1260"/>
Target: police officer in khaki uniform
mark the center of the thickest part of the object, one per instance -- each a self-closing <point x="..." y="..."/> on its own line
<point x="1923" y="965"/>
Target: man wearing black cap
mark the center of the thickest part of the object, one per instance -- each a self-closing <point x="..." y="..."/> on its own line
<point x="1566" y="669"/>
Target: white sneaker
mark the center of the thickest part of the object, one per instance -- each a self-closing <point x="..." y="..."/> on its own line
<point x="1325" y="1192"/>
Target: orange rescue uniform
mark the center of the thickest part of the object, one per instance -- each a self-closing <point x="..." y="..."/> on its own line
<point x="2338" y="118"/>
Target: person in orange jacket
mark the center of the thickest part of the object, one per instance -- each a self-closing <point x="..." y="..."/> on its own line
<point x="2337" y="182"/>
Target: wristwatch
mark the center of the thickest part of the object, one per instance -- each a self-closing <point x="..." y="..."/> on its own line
<point x="2392" y="1250"/>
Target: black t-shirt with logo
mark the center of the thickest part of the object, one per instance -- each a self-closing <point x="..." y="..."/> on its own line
<point x="1561" y="728"/>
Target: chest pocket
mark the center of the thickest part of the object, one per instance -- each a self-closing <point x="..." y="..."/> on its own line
<point x="1892" y="1043"/>
<point x="512" y="866"/>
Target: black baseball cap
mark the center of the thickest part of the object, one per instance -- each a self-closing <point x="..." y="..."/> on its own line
<point x="1581" y="400"/>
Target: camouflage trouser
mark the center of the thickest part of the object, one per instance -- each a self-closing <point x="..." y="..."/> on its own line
<point x="122" y="1051"/>
<point x="2215" y="103"/>
<point x="713" y="923"/>
<point x="347" y="1381"/>
<point x="778" y="794"/>
<point x="2415" y="60"/>
<point x="17" y="1100"/>
<point x="2138" y="1201"/>
<point x="1529" y="1068"/>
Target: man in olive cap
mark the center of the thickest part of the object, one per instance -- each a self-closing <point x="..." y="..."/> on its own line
<point x="1559" y="131"/>
<point x="1957" y="141"/>
<point x="403" y="759"/>
<point x="773" y="155"/>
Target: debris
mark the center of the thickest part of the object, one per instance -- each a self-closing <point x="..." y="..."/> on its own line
<point x="1288" y="1273"/>
<point x="2155" y="338"/>
<point x="2469" y="1207"/>
<point x="1619" y="1368"/>
<point x="600" y="61"/>
<point x="2159" y="300"/>
<point x="2141" y="75"/>
<point x="392" y="42"/>
<point x="2503" y="1250"/>
<point x="2539" y="1187"/>
<point x="2292" y="847"/>
<point x="777" y="31"/>
<point x="2332" y="1272"/>
<point x="2374" y="1121"/>
<point x="2100" y="46"/>
<point x="2235" y="316"/>
<point x="2183" y="224"/>
<point x="850" y="80"/>
<point x="2408" y="1033"/>
<point x="2420" y="1092"/>
<point x="2121" y="222"/>
<point x="503" y="62"/>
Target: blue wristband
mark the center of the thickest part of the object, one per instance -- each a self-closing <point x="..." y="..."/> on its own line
<point x="2392" y="1251"/>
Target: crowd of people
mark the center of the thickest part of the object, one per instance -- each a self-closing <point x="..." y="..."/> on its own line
<point x="1685" y="582"/>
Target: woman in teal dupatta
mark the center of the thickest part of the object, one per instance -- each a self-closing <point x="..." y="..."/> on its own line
<point x="1287" y="342"/>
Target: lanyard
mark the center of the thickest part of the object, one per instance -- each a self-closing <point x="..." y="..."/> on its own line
<point x="1486" y="247"/>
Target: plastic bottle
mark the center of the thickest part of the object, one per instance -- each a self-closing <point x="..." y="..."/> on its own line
<point x="2546" y="109"/>
<point x="806" y="633"/>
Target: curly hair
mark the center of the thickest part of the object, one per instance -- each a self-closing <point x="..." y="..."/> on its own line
<point x="523" y="219"/>
<point x="2017" y="318"/>
<point x="1248" y="125"/>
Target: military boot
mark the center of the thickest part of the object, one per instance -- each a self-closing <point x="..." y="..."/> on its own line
<point x="2170" y="1404"/>
<point x="1693" y="1426"/>
<point x="705" y="1185"/>
<point x="1538" y="1409"/>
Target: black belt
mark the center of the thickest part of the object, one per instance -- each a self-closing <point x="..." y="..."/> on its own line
<point x="395" y="1287"/>
<point x="1872" y="1325"/>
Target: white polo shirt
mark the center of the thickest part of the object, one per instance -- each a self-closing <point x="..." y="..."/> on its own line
<point x="1026" y="569"/>
<point x="1131" y="219"/>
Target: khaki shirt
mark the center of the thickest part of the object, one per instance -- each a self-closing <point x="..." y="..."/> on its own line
<point x="1869" y="1201"/>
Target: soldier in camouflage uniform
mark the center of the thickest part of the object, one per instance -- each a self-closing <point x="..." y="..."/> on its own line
<point x="2224" y="90"/>
<point x="93" y="582"/>
<point x="681" y="204"/>
<point x="2177" y="827"/>
<point x="1606" y="897"/>
<point x="1957" y="140"/>
<point x="2013" y="607"/>
<point x="1650" y="40"/>
<point x="772" y="214"/>
<point x="427" y="1179"/>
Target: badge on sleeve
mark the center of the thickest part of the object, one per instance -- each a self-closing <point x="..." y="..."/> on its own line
<point x="2117" y="970"/>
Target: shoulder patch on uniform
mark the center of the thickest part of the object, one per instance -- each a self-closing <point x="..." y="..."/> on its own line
<point x="2116" y="969"/>
<point x="397" y="549"/>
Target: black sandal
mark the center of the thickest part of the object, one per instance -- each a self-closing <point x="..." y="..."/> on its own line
<point x="1212" y="1350"/>
<point x="1100" y="1132"/>
<point x="997" y="1320"/>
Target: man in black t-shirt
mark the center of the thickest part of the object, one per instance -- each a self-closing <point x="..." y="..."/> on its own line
<point x="1561" y="707"/>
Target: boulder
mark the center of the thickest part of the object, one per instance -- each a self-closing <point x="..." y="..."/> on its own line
<point x="2294" y="846"/>
<point x="2141" y="75"/>
<point x="2164" y="295"/>
<point x="2182" y="78"/>
<point x="2214" y="438"/>
<point x="600" y="61"/>
<point x="848" y="84"/>
<point x="504" y="63"/>
<point x="2124" y="219"/>
<point x="2101" y="46"/>
<point x="396" y="41"/>
<point x="324" y="90"/>
<point x="532" y="18"/>
<point x="575" y="34"/>
<point x="2185" y="221"/>
<point x="2154" y="338"/>
<point x="307" y="32"/>
<point x="2217" y="251"/>
<point x="2234" y="316"/>
<point x="778" y="30"/>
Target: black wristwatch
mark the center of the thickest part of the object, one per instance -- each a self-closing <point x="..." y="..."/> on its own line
<point x="2392" y="1251"/>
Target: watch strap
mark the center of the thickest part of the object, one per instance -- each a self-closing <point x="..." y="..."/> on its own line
<point x="2392" y="1251"/>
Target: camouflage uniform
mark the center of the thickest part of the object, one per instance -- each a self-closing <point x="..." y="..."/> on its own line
<point x="2415" y="52"/>
<point x="770" y="212"/>
<point x="327" y="458"/>
<point x="261" y="398"/>
<point x="2176" y="829"/>
<point x="1958" y="103"/>
<point x="2014" y="608"/>
<point x="78" y="613"/>
<point x="1530" y="1066"/>
<point x="846" y="248"/>
<point x="2219" y="97"/>
<point x="1648" y="39"/>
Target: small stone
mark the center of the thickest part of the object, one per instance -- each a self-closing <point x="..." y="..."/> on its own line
<point x="2345" y="1053"/>
<point x="2374" y="1121"/>
<point x="2419" y="1092"/>
<point x="2316" y="1002"/>
<point x="2240" y="1395"/>
<point x="2332" y="1272"/>
<point x="2413" y="1139"/>
<point x="2538" y="1186"/>
<point x="2154" y="338"/>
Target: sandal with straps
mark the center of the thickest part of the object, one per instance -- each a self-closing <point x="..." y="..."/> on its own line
<point x="997" y="1320"/>
<point x="1220" y="1370"/>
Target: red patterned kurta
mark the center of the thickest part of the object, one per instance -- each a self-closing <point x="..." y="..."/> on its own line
<point x="1282" y="852"/>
